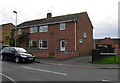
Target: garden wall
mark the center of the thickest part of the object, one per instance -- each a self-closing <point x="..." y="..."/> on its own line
<point x="57" y="55"/>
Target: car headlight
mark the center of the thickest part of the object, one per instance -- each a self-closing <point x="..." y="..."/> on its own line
<point x="33" y="55"/>
<point x="23" y="56"/>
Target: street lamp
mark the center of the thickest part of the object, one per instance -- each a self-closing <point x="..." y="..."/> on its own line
<point x="15" y="26"/>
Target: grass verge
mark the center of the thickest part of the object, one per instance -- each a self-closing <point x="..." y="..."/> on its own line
<point x="109" y="60"/>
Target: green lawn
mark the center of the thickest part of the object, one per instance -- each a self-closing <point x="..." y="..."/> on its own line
<point x="109" y="60"/>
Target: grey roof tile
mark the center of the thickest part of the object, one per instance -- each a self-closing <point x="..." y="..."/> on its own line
<point x="51" y="20"/>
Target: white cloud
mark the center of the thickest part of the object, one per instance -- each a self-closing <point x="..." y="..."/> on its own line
<point x="102" y="13"/>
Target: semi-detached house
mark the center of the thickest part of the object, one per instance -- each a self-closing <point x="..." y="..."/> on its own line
<point x="62" y="36"/>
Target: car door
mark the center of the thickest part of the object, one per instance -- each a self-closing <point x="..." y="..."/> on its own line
<point x="6" y="52"/>
<point x="12" y="53"/>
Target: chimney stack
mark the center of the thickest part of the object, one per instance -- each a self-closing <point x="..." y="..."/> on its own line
<point x="49" y="15"/>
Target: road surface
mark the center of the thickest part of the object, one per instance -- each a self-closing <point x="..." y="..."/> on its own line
<point x="46" y="72"/>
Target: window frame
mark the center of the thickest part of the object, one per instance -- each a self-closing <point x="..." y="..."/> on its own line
<point x="62" y="26"/>
<point x="41" y="42"/>
<point x="19" y="31"/>
<point x="34" y="29"/>
<point x="31" y="44"/>
<point x="80" y="41"/>
<point x="84" y="34"/>
<point x="43" y="27"/>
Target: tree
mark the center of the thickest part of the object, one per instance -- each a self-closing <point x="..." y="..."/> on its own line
<point x="20" y="39"/>
<point x="11" y="39"/>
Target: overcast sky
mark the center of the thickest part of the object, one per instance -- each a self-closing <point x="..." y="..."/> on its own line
<point x="102" y="13"/>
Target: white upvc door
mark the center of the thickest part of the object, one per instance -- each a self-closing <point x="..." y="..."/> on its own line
<point x="62" y="45"/>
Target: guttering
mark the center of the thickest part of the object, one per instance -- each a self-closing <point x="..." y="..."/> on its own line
<point x="45" y="24"/>
<point x="75" y="35"/>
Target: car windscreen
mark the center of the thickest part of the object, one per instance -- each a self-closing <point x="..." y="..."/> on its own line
<point x="20" y="50"/>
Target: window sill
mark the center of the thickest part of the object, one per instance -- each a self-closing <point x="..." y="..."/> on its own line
<point x="43" y="32"/>
<point x="33" y="32"/>
<point x="62" y="30"/>
<point x="43" y="48"/>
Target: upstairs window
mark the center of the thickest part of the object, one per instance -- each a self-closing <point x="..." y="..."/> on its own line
<point x="43" y="44"/>
<point x="62" y="26"/>
<point x="33" y="29"/>
<point x="19" y="31"/>
<point x="43" y="29"/>
<point x="84" y="34"/>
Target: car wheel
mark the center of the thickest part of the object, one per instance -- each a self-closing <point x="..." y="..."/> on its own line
<point x="1" y="57"/>
<point x="17" y="60"/>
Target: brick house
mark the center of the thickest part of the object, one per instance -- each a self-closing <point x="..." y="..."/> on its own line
<point x="4" y="33"/>
<point x="112" y="42"/>
<point x="63" y="36"/>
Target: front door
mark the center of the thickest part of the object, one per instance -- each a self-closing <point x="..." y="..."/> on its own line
<point x="62" y="45"/>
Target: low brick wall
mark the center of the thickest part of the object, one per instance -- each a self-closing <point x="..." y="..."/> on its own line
<point x="42" y="54"/>
<point x="64" y="55"/>
<point x="58" y="54"/>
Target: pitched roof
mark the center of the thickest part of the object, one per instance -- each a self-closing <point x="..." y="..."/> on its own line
<point x="52" y="20"/>
<point x="6" y="24"/>
<point x="115" y="40"/>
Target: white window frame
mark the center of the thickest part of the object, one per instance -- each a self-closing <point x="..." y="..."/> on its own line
<point x="43" y="28"/>
<point x="19" y="31"/>
<point x="41" y="42"/>
<point x="80" y="41"/>
<point x="85" y="34"/>
<point x="62" y="47"/>
<point x="31" y="43"/>
<point x="33" y="29"/>
<point x="62" y="26"/>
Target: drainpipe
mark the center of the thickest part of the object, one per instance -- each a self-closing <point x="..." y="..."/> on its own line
<point x="75" y="35"/>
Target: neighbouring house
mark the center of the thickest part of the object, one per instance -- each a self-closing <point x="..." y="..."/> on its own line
<point x="63" y="36"/>
<point x="111" y="42"/>
<point x="4" y="33"/>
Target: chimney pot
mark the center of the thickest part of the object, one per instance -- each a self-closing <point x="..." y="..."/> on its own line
<point x="49" y="15"/>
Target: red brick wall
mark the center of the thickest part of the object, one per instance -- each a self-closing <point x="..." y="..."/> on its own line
<point x="25" y="30"/>
<point x="58" y="55"/>
<point x="107" y="41"/>
<point x="42" y="54"/>
<point x="84" y="25"/>
<point x="64" y="55"/>
<point x="56" y="36"/>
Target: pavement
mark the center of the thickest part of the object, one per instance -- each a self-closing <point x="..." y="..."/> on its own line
<point x="82" y="61"/>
